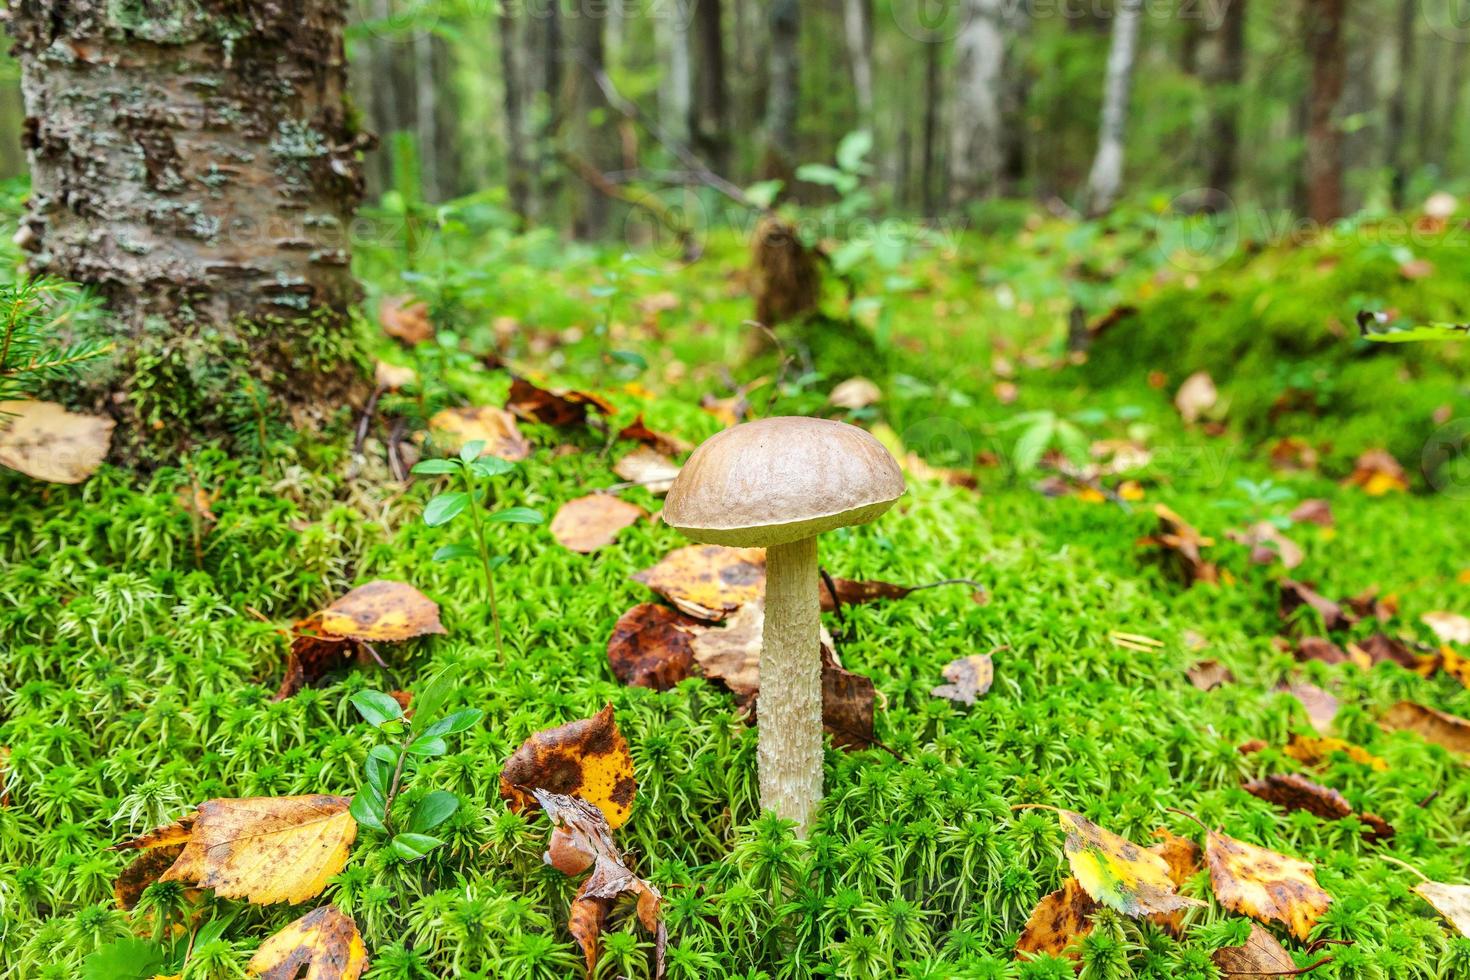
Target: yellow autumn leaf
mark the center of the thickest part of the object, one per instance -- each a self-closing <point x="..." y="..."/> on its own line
<point x="1312" y="751"/>
<point x="381" y="611"/>
<point x="493" y="426"/>
<point x="1450" y="901"/>
<point x="263" y="849"/>
<point x="46" y="442"/>
<point x="1265" y="885"/>
<point x="324" y="941"/>
<point x="1117" y="872"/>
<point x="586" y="759"/>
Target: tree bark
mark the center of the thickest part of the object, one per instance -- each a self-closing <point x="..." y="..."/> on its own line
<point x="857" y="31"/>
<point x="193" y="162"/>
<point x="709" y="126"/>
<point x="1105" y="180"/>
<point x="976" y="148"/>
<point x="589" y="130"/>
<point x="676" y="81"/>
<point x="928" y="163"/>
<point x="782" y="96"/>
<point x="1396" y="119"/>
<point x="1323" y="161"/>
<point x="512" y="79"/>
<point x="1226" y="76"/>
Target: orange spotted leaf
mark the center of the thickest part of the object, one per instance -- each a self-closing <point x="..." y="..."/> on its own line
<point x="495" y="427"/>
<point x="586" y="759"/>
<point x="1312" y="751"/>
<point x="652" y="646"/>
<point x="1059" y="920"/>
<point x="381" y="611"/>
<point x="708" y="581"/>
<point x="1117" y="872"/>
<point x="324" y="941"/>
<point x="1265" y="885"/>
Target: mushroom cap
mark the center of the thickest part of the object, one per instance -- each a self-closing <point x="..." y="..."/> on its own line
<point x="780" y="480"/>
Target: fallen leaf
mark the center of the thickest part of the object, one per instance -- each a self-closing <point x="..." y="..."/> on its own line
<point x="381" y="611"/>
<point x="1293" y="454"/>
<point x="1209" y="674"/>
<point x="405" y="318"/>
<point x="732" y="654"/>
<point x="1183" y="857"/>
<point x="1319" y="648"/>
<point x="1059" y="920"/>
<point x="708" y="581"/>
<point x="1117" y="872"/>
<point x="1376" y="473"/>
<point x="1265" y="885"/>
<point x="1290" y="791"/>
<point x="659" y="442"/>
<point x="46" y="442"/>
<point x="147" y="868"/>
<point x="1417" y="269"/>
<point x="847" y="703"/>
<point x="853" y="593"/>
<point x="1267" y="544"/>
<point x="587" y="759"/>
<point x="263" y="849"/>
<point x="652" y="646"/>
<point x="1449" y="731"/>
<point x="1453" y="664"/>
<point x="593" y="521"/>
<point x="729" y="411"/>
<point x="1196" y="396"/>
<point x="1182" y="547"/>
<point x="312" y="654"/>
<point x="1262" y="955"/>
<point x="1381" y="647"/>
<point x="1295" y="595"/>
<point x="648" y="468"/>
<point x="969" y="678"/>
<point x="1313" y="751"/>
<point x="1313" y="511"/>
<point x="1320" y="706"/>
<point x="495" y="427"/>
<point x="557" y="408"/>
<point x="1366" y="605"/>
<point x="392" y="376"/>
<point x="1448" y="626"/>
<point x="324" y="942"/>
<point x="1450" y="901"/>
<point x="855" y="393"/>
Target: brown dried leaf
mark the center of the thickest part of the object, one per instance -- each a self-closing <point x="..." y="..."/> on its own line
<point x="648" y="468"/>
<point x="851" y="592"/>
<point x="1059" y="920"/>
<point x="313" y="653"/>
<point x="969" y="678"/>
<point x="381" y="611"/>
<point x="324" y="941"/>
<point x="392" y="376"/>
<point x="1310" y="751"/>
<point x="1376" y="473"/>
<point x="1267" y="545"/>
<point x="263" y="849"/>
<point x="405" y="318"/>
<point x="1450" y="627"/>
<point x="1320" y="706"/>
<point x="1265" y="885"/>
<point x="1293" y="453"/>
<point x="660" y="442"/>
<point x="587" y="759"/>
<point x="652" y="646"/>
<point x="1295" y="595"/>
<point x="144" y="871"/>
<point x="1313" y="511"/>
<point x="732" y="654"/>
<point x="1209" y="674"/>
<point x="1290" y="791"/>
<point x="708" y="581"/>
<point x="1182" y="547"/>
<point x="1450" y="901"/>
<point x="1381" y="647"/>
<point x="558" y="408"/>
<point x="495" y="427"/>
<point x="855" y="393"/>
<point x="593" y="521"/>
<point x="847" y="704"/>
<point x="1441" y="728"/>
<point x="46" y="442"/>
<point x="1261" y="955"/>
<point x="1320" y="648"/>
<point x="1366" y="604"/>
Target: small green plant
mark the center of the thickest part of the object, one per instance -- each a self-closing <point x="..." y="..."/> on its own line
<point x="474" y="472"/>
<point x="390" y="766"/>
<point x="1041" y="431"/>
<point x="31" y="313"/>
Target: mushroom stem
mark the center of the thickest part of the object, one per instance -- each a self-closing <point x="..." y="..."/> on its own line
<point x="789" y="706"/>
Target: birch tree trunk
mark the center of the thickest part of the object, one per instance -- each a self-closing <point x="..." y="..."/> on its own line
<point x="1226" y="75"/>
<point x="1328" y="56"/>
<point x="1105" y="180"/>
<point x="782" y="97"/>
<point x="676" y="83"/>
<point x="858" y="34"/>
<point x="976" y="148"/>
<point x="512" y="79"/>
<point x="192" y="160"/>
<point x="710" y="121"/>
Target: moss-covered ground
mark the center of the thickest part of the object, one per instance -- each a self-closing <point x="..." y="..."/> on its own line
<point x="138" y="669"/>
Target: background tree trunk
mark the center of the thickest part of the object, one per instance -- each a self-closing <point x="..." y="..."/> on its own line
<point x="928" y="161"/>
<point x="1323" y="162"/>
<point x="1228" y="71"/>
<point x="1396" y="119"/>
<point x="976" y="146"/>
<point x="512" y="80"/>
<point x="857" y="31"/>
<point x="1106" y="177"/>
<point x="676" y="81"/>
<point x="200" y="179"/>
<point x="710" y="123"/>
<point x="782" y="95"/>
<point x="589" y="132"/>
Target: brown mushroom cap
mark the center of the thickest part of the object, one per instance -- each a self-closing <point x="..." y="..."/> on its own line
<point x="780" y="480"/>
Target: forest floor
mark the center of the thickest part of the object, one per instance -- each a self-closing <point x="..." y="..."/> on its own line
<point x="143" y="622"/>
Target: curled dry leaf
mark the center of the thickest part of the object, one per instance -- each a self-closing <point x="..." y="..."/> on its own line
<point x="708" y="581"/>
<point x="1381" y="647"/>
<point x="1183" y="858"/>
<point x="1265" y="885"/>
<point x="558" y="408"/>
<point x="1267" y="545"/>
<point x="405" y="318"/>
<point x="1290" y="791"/>
<point x="263" y="849"/>
<point x="313" y="653"/>
<point x="147" y="868"/>
<point x="660" y="442"/>
<point x="1449" y="731"/>
<point x="652" y="646"/>
<point x="381" y="611"/>
<point x="593" y="521"/>
<point x="1261" y="955"/>
<point x="1314" y="510"/>
<point x="324" y="942"/>
<point x="732" y="654"/>
<point x="1209" y="674"/>
<point x="495" y="427"/>
<point x="1310" y="751"/>
<point x="1320" y="706"/>
<point x="1450" y="901"/>
<point x="588" y="759"/>
<point x="1450" y="627"/>
<point x="1117" y="872"/>
<point x="1059" y="920"/>
<point x="1319" y="648"/>
<point x="847" y="703"/>
<point x="1196" y="396"/>
<point x="1376" y="473"/>
<point x="648" y="468"/>
<point x="1295" y="595"/>
<point x="46" y="442"/>
<point x="1182" y="547"/>
<point x="969" y="678"/>
<point x="855" y="393"/>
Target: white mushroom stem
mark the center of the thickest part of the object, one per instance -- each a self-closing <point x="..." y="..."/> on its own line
<point x="789" y="707"/>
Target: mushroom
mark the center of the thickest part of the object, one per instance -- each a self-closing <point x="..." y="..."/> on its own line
<point x="777" y="484"/>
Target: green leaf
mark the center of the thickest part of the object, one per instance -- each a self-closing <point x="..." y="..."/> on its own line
<point x="853" y="148"/>
<point x="1032" y="444"/>
<point x="411" y="847"/>
<point x="381" y="762"/>
<point x="364" y="811"/>
<point x="1428" y="331"/>
<point x="630" y="357"/>
<point x="376" y="707"/>
<point x="428" y="745"/>
<point x="488" y="467"/>
<point x="445" y="508"/>
<point x="820" y="173"/>
<point x="497" y="560"/>
<point x="454" y="724"/>
<point x="435" y="467"/>
<point x="764" y="193"/>
<point x="433" y="810"/>
<point x="128" y="958"/>
<point x="431" y="696"/>
<point x="517" y="515"/>
<point x="455" y="551"/>
<point x="471" y="450"/>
